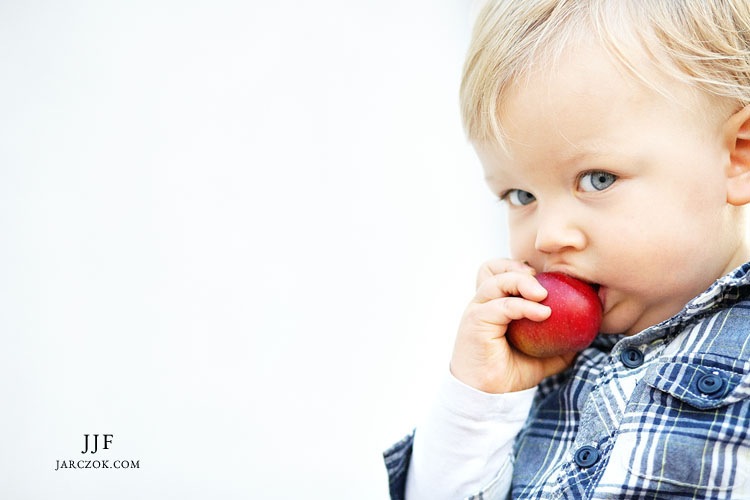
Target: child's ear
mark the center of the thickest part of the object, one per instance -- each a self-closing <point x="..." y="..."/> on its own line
<point x="738" y="171"/>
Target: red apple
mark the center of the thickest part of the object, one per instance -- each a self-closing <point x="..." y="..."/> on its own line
<point x="572" y="326"/>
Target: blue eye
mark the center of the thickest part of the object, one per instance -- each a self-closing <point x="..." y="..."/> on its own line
<point x="596" y="181"/>
<point x="518" y="197"/>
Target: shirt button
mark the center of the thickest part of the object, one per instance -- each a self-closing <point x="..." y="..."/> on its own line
<point x="631" y="357"/>
<point x="710" y="384"/>
<point x="586" y="456"/>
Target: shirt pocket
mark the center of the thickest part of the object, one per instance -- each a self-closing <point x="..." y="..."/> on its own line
<point x="687" y="429"/>
<point x="703" y="381"/>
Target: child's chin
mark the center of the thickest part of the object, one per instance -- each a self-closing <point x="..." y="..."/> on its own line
<point x="612" y="325"/>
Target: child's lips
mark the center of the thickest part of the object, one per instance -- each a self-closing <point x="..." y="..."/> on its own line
<point x="601" y="291"/>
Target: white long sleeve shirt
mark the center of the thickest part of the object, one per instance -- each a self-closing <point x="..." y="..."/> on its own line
<point x="465" y="443"/>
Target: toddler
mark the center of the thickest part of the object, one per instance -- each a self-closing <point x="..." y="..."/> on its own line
<point x="618" y="134"/>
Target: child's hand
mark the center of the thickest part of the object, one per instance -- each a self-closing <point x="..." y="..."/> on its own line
<point x="482" y="358"/>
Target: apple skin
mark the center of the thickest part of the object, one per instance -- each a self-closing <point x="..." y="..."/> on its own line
<point x="572" y="326"/>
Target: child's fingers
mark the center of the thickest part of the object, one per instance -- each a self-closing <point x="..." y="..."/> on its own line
<point x="501" y="266"/>
<point x="514" y="283"/>
<point x="506" y="309"/>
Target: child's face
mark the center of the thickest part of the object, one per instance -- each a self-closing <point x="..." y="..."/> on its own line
<point x="613" y="183"/>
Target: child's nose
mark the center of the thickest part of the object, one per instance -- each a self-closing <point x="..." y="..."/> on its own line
<point x="557" y="231"/>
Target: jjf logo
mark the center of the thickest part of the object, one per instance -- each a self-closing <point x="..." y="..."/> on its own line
<point x="106" y="438"/>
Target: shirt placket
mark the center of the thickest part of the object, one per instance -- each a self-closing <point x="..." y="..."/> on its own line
<point x="603" y="413"/>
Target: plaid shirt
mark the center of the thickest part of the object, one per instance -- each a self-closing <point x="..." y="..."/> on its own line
<point x="661" y="414"/>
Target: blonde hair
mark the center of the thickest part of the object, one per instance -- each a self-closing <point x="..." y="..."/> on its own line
<point x="704" y="43"/>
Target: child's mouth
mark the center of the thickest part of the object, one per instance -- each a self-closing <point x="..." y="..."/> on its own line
<point x="600" y="292"/>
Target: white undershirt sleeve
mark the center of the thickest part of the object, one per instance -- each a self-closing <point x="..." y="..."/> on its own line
<point x="464" y="445"/>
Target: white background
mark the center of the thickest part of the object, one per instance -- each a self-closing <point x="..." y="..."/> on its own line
<point x="236" y="235"/>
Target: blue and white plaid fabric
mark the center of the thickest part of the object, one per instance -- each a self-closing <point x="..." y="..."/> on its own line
<point x="661" y="414"/>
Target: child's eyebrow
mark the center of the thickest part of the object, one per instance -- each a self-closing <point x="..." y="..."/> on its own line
<point x="579" y="157"/>
<point x="588" y="153"/>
